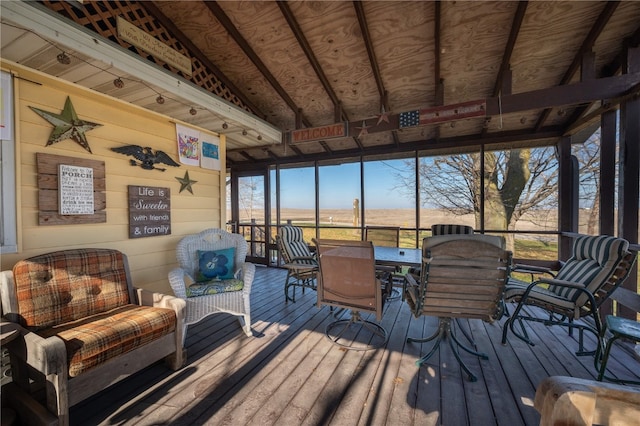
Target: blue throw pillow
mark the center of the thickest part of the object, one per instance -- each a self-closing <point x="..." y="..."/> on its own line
<point x="216" y="264"/>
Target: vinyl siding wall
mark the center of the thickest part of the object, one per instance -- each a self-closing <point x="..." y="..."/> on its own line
<point x="150" y="258"/>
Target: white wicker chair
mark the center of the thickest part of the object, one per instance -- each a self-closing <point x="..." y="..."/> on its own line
<point x="232" y="302"/>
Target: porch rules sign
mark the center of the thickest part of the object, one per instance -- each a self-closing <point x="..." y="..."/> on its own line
<point x="149" y="211"/>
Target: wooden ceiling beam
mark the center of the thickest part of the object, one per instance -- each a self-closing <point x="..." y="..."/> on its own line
<point x="587" y="46"/>
<point x="508" y="50"/>
<point x="153" y="10"/>
<point x="566" y="95"/>
<point x="514" y="138"/>
<point x="503" y="81"/>
<point x="222" y="17"/>
<point x="438" y="81"/>
<point x="373" y="61"/>
<point x="306" y="48"/>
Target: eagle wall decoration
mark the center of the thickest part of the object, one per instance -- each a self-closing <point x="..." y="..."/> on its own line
<point x="147" y="159"/>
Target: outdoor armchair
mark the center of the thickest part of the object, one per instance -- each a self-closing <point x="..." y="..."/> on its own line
<point x="213" y="276"/>
<point x="301" y="264"/>
<point x="463" y="276"/>
<point x="83" y="327"/>
<point x="597" y="266"/>
<point x="448" y="229"/>
<point x="348" y="280"/>
<point x="387" y="236"/>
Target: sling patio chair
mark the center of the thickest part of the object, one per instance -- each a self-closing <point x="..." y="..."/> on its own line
<point x="597" y="266"/>
<point x="301" y="264"/>
<point x="348" y="280"/>
<point x="463" y="276"/>
<point x="387" y="236"/>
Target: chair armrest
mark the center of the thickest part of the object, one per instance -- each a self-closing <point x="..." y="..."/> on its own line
<point x="178" y="279"/>
<point x="46" y="355"/>
<point x="160" y="300"/>
<point x="561" y="283"/>
<point x="304" y="258"/>
<point x="532" y="269"/>
<point x="247" y="274"/>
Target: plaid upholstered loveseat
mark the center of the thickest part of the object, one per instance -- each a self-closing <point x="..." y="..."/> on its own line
<point x="84" y="326"/>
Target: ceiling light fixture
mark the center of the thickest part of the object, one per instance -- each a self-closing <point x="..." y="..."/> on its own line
<point x="63" y="58"/>
<point x="160" y="99"/>
<point x="259" y="137"/>
<point x="118" y="83"/>
<point x="193" y="111"/>
<point x="225" y="126"/>
<point x="244" y="132"/>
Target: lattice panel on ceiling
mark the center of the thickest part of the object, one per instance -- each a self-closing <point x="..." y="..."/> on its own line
<point x="100" y="17"/>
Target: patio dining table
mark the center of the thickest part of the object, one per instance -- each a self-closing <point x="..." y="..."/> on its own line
<point x="398" y="256"/>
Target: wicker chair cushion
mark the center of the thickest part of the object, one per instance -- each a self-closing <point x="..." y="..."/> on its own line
<point x="214" y="287"/>
<point x="93" y="340"/>
<point x="68" y="285"/>
<point x="215" y="264"/>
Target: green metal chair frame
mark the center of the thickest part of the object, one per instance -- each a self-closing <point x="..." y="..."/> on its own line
<point x="597" y="267"/>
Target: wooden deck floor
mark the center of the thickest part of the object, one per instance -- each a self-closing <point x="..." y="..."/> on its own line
<point x="290" y="374"/>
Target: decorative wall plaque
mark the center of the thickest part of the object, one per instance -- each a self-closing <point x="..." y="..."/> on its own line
<point x="48" y="166"/>
<point x="149" y="211"/>
<point x="75" y="188"/>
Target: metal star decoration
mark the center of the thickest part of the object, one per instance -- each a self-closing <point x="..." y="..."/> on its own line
<point x="363" y="129"/>
<point x="67" y="125"/>
<point x="185" y="182"/>
<point x="383" y="117"/>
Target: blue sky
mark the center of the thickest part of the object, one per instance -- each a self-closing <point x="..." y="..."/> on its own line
<point x="339" y="185"/>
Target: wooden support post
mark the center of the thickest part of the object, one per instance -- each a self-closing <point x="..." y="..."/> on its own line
<point x="629" y="174"/>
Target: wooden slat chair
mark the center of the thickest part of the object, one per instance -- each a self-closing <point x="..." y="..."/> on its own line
<point x="387" y="236"/>
<point x="463" y="276"/>
<point x="447" y="229"/>
<point x="598" y="265"/>
<point x="348" y="280"/>
<point x="301" y="264"/>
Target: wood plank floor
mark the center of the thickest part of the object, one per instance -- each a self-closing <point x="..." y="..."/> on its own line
<point x="290" y="374"/>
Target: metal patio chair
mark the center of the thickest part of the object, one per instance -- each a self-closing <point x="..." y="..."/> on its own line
<point x="597" y="266"/>
<point x="463" y="276"/>
<point x="348" y="280"/>
<point x="300" y="262"/>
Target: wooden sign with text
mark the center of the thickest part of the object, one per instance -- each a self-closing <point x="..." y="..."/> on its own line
<point x="149" y="211"/>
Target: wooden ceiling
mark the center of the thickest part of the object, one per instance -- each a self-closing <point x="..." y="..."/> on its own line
<point x="536" y="68"/>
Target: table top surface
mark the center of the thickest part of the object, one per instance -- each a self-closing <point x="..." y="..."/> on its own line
<point x="398" y="256"/>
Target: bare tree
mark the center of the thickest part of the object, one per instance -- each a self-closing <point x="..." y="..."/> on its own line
<point x="515" y="182"/>
<point x="588" y="156"/>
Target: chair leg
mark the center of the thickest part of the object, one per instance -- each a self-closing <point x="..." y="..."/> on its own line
<point x="376" y="330"/>
<point x="509" y="324"/>
<point x="245" y="323"/>
<point x="444" y="331"/>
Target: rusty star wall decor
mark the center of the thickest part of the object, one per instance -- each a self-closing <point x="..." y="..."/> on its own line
<point x="67" y="125"/>
<point x="186" y="182"/>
